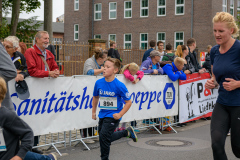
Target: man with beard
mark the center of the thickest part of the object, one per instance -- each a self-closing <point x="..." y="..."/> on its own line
<point x="40" y="62"/>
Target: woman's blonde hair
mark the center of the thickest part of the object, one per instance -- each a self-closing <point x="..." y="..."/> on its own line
<point x="131" y="67"/>
<point x="3" y="89"/>
<point x="180" y="49"/>
<point x="228" y="19"/>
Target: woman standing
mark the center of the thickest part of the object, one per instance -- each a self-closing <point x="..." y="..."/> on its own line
<point x="182" y="52"/>
<point x="225" y="63"/>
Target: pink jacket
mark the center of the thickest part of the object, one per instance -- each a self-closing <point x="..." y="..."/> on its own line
<point x="128" y="75"/>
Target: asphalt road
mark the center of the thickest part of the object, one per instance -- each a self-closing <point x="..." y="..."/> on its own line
<point x="192" y="142"/>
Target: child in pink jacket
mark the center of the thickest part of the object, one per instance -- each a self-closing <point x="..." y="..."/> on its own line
<point x="130" y="70"/>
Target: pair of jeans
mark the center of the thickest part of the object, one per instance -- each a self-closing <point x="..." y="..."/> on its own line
<point x="107" y="135"/>
<point x="223" y="118"/>
<point x="35" y="156"/>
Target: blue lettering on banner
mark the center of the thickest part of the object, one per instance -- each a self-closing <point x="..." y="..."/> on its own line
<point x="63" y="101"/>
<point x="169" y="95"/>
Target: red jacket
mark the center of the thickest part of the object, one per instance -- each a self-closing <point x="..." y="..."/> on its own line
<point x="35" y="65"/>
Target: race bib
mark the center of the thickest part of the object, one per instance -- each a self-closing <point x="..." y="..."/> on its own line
<point x="109" y="103"/>
<point x="2" y="142"/>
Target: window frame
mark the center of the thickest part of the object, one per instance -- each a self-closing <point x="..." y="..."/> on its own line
<point x="124" y="41"/>
<point x="97" y="35"/>
<point x="175" y="41"/>
<point x="158" y="7"/>
<point x="109" y="38"/>
<point x="115" y="10"/>
<point x="140" y="46"/>
<point x="232" y="7"/>
<point x="179" y="5"/>
<point x="141" y="8"/>
<point x="76" y="3"/>
<point x="127" y="9"/>
<point x="97" y="12"/>
<point x="164" y="41"/>
<point x="76" y="32"/>
<point x="224" y="5"/>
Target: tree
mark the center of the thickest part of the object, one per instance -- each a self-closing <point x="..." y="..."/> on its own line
<point x="48" y="18"/>
<point x="17" y="6"/>
<point x="15" y="16"/>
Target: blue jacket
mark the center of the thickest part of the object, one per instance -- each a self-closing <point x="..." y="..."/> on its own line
<point x="173" y="73"/>
<point x="146" y="67"/>
<point x="147" y="54"/>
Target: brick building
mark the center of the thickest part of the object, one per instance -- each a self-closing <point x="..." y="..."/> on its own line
<point x="133" y="23"/>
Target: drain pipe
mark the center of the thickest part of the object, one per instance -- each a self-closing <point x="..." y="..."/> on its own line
<point x="92" y="18"/>
<point x="192" y="20"/>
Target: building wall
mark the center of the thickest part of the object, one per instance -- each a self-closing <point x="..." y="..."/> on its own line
<point x="80" y="17"/>
<point x="204" y="11"/>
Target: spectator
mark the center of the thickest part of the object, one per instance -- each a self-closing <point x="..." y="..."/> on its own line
<point x="113" y="52"/>
<point x="52" y="50"/>
<point x="40" y="61"/>
<point x="11" y="44"/>
<point x="17" y="135"/>
<point x="191" y="43"/>
<point x="147" y="53"/>
<point x="129" y="70"/>
<point x="93" y="65"/>
<point x="174" y="70"/>
<point x="160" y="46"/>
<point x="182" y="52"/>
<point x="169" y="57"/>
<point x="207" y="63"/>
<point x="22" y="47"/>
<point x="152" y="65"/>
<point x="8" y="72"/>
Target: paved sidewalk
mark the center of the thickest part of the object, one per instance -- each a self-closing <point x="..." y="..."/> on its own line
<point x="192" y="142"/>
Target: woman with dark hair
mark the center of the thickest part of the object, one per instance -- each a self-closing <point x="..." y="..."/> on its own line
<point x="94" y="65"/>
<point x="182" y="52"/>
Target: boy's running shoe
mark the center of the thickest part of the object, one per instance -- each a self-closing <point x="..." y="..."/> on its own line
<point x="132" y="134"/>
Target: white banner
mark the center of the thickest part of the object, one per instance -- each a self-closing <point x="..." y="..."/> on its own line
<point x="195" y="100"/>
<point x="65" y="103"/>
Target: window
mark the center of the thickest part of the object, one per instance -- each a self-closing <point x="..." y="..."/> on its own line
<point x="178" y="39"/>
<point x="76" y="5"/>
<point x="112" y="10"/>
<point x="161" y="8"/>
<point x="111" y="37"/>
<point x="224" y="6"/>
<point x="97" y="11"/>
<point x="128" y="9"/>
<point x="97" y="36"/>
<point x="161" y="36"/>
<point x="179" y="7"/>
<point x="127" y="41"/>
<point x="232" y="7"/>
<point x="144" y="8"/>
<point x="75" y="32"/>
<point x="238" y="7"/>
<point x="143" y="40"/>
<point x="58" y="41"/>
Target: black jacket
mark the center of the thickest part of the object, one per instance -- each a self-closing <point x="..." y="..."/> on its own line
<point x="15" y="130"/>
<point x="193" y="57"/>
<point x="20" y="63"/>
<point x="113" y="53"/>
<point x="189" y="66"/>
<point x="207" y="63"/>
